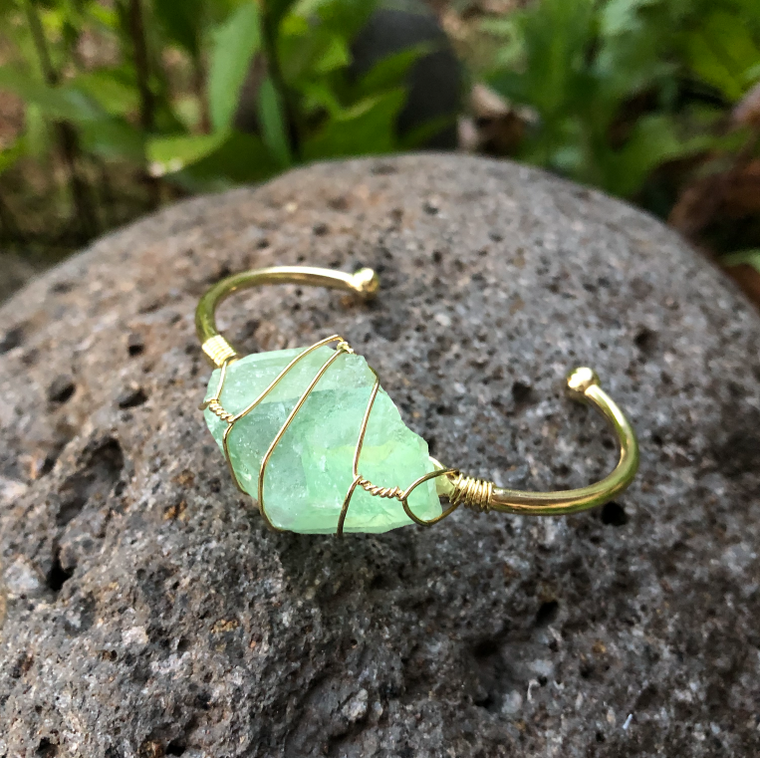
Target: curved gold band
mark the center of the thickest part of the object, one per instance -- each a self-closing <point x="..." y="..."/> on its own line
<point x="477" y="494"/>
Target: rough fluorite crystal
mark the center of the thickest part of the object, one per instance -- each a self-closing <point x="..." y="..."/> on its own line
<point x="311" y="469"/>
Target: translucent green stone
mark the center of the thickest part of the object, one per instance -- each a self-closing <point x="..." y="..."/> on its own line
<point x="311" y="469"/>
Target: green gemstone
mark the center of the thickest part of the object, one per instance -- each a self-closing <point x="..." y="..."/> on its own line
<point x="311" y="469"/>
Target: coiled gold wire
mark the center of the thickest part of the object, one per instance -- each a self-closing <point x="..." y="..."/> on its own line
<point x="471" y="492"/>
<point x="373" y="489"/>
<point x="215" y="407"/>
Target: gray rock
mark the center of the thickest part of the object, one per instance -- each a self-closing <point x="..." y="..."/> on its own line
<point x="148" y="612"/>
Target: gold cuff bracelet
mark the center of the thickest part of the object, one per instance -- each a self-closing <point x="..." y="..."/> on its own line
<point x="310" y="434"/>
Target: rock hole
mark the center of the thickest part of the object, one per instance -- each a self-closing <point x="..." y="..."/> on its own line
<point x="69" y="509"/>
<point x="521" y="392"/>
<point x="614" y="514"/>
<point x="61" y="389"/>
<point x="175" y="747"/>
<point x="431" y="206"/>
<point x="58" y="576"/>
<point x="645" y="340"/>
<point x="62" y="287"/>
<point x="339" y="203"/>
<point x="547" y="613"/>
<point x="599" y="737"/>
<point x="103" y="463"/>
<point x="132" y="397"/>
<point x="384" y="169"/>
<point x="389" y="330"/>
<point x="493" y="675"/>
<point x="47" y="749"/>
<point x="647" y="697"/>
<point x="22" y="665"/>
<point x="320" y="229"/>
<point x="135" y="344"/>
<point x="13" y="338"/>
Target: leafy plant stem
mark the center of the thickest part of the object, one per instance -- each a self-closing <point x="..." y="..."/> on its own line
<point x="40" y="44"/>
<point x="270" y="34"/>
<point x="199" y="87"/>
<point x="80" y="189"/>
<point x="66" y="135"/>
<point x="147" y="101"/>
<point x="140" y="52"/>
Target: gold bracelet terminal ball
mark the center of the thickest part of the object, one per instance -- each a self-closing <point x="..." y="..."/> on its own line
<point x="582" y="385"/>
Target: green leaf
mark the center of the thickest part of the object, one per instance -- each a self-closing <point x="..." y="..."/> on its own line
<point x="273" y="125"/>
<point x="57" y="103"/>
<point x="12" y="153"/>
<point x="112" y="138"/>
<point x="101" y="133"/>
<point x="37" y="132"/>
<point x="166" y="155"/>
<point x="721" y="51"/>
<point x="390" y="71"/>
<point x="622" y="16"/>
<point x="418" y="137"/>
<point x="276" y="10"/>
<point x="320" y="96"/>
<point x="367" y="128"/>
<point x="113" y="89"/>
<point x="106" y="17"/>
<point x="333" y="56"/>
<point x="558" y="35"/>
<point x="235" y="43"/>
<point x="345" y="17"/>
<point x="749" y="257"/>
<point x="182" y="22"/>
<point x="304" y="50"/>
<point x="653" y="141"/>
<point x="237" y="159"/>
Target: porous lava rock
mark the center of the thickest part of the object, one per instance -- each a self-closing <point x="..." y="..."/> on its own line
<point x="147" y="611"/>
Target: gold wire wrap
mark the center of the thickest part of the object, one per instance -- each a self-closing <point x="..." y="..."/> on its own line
<point x="215" y="407"/>
<point x="472" y="493"/>
<point x="218" y="349"/>
<point x="387" y="492"/>
<point x="479" y="495"/>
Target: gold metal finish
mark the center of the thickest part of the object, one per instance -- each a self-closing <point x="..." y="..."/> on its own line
<point x="476" y="494"/>
<point x="364" y="283"/>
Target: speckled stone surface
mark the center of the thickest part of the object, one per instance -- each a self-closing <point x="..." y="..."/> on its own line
<point x="148" y="612"/>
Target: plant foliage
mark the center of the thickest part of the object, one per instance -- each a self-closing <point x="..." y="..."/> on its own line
<point x="620" y="87"/>
<point x="198" y="94"/>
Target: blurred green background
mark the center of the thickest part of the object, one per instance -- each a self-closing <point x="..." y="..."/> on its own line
<point x="111" y="108"/>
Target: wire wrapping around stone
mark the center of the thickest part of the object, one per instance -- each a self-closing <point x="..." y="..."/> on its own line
<point x="373" y="489"/>
<point x="341" y="346"/>
<point x="215" y="407"/>
<point x="472" y="493"/>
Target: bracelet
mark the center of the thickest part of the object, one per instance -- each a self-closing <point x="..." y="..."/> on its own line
<point x="311" y="435"/>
